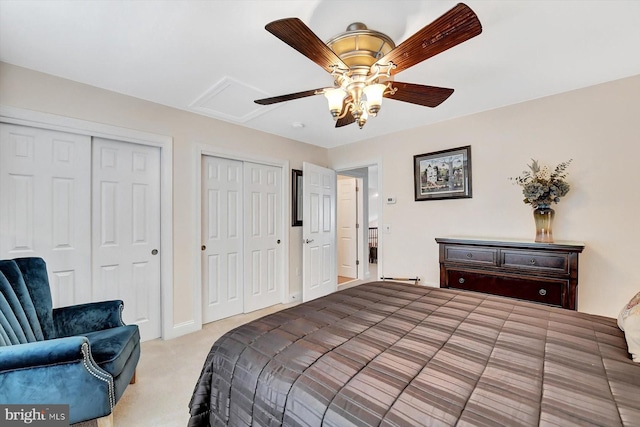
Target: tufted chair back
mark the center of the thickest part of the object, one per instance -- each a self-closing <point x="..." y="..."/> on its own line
<point x="25" y="302"/>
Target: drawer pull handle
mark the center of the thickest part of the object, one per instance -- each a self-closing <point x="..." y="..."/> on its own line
<point x="542" y="292"/>
<point x="461" y="280"/>
<point x="533" y="261"/>
<point x="469" y="255"/>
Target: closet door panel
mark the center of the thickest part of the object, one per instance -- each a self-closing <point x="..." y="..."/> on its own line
<point x="222" y="238"/>
<point x="45" y="187"/>
<point x="263" y="241"/>
<point x="126" y="231"/>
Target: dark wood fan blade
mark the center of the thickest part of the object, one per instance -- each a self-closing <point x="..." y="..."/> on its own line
<point x="429" y="96"/>
<point x="296" y="34"/>
<point x="454" y="27"/>
<point x="289" y="97"/>
<point x="346" y="120"/>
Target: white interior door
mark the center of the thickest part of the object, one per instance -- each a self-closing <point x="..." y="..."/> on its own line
<point x="222" y="238"/>
<point x="347" y="229"/>
<point x="319" y="276"/>
<point x="263" y="234"/>
<point x="45" y="193"/>
<point x="126" y="230"/>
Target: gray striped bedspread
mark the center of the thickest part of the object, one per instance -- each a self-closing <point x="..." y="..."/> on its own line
<point x="394" y="354"/>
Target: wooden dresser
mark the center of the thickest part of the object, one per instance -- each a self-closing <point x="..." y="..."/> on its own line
<point x="545" y="273"/>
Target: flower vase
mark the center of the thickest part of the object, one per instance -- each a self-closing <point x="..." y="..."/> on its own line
<point x="543" y="216"/>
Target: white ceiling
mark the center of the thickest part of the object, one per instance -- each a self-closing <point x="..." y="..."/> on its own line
<point x="181" y="53"/>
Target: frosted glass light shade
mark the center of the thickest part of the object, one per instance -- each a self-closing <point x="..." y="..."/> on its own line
<point x="335" y="98"/>
<point x="374" y="97"/>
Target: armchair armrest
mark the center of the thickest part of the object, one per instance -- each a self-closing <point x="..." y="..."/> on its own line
<point x="41" y="353"/>
<point x="84" y="318"/>
<point x="56" y="371"/>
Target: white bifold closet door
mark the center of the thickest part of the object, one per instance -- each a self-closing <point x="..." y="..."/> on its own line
<point x="90" y="208"/>
<point x="222" y="236"/>
<point x="263" y="233"/>
<point x="241" y="237"/>
<point x="45" y="193"/>
<point x="126" y="230"/>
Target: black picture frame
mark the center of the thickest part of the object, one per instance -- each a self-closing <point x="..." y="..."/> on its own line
<point x="296" y="198"/>
<point x="443" y="174"/>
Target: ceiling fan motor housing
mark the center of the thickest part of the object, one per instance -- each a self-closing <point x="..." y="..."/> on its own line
<point x="360" y="47"/>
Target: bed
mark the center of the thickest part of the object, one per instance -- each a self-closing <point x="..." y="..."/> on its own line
<point x="395" y="354"/>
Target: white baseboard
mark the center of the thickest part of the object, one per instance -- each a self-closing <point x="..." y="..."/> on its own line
<point x="181" y="329"/>
<point x="295" y="297"/>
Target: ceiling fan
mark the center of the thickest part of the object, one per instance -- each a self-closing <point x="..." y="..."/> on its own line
<point x="363" y="63"/>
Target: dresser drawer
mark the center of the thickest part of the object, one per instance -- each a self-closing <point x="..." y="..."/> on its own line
<point x="546" y="261"/>
<point x="470" y="254"/>
<point x="542" y="291"/>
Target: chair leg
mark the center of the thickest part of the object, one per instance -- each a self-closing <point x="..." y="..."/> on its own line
<point x="133" y="378"/>
<point x="106" y="421"/>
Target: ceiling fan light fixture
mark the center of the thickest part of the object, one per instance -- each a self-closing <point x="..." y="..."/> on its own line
<point x="334" y="98"/>
<point x="360" y="48"/>
<point x="363" y="63"/>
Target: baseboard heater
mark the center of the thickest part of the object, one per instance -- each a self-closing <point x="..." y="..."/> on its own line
<point x="403" y="279"/>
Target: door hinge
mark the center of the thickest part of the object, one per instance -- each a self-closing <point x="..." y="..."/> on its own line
<point x="357" y="225"/>
<point x="357" y="262"/>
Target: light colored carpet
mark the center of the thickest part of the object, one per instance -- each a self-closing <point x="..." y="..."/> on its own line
<point x="90" y="423"/>
<point x="167" y="374"/>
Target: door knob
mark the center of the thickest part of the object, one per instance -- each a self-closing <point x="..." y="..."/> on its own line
<point x="203" y="247"/>
<point x="154" y="252"/>
<point x="278" y="242"/>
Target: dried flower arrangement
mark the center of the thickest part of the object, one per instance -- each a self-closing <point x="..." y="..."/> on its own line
<point x="541" y="187"/>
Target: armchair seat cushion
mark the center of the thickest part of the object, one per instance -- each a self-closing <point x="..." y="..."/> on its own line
<point x="112" y="348"/>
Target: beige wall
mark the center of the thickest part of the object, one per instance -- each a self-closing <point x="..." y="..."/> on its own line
<point x="597" y="127"/>
<point x="31" y="90"/>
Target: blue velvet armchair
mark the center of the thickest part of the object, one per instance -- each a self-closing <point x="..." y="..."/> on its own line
<point x="81" y="355"/>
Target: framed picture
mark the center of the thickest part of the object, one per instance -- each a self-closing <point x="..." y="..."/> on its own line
<point x="296" y="198"/>
<point x="443" y="174"/>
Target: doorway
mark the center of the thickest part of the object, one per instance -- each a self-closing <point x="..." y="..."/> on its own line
<point x="349" y="220"/>
<point x="366" y="179"/>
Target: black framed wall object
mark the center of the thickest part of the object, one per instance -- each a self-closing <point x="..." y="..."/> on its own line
<point x="443" y="174"/>
<point x="296" y="198"/>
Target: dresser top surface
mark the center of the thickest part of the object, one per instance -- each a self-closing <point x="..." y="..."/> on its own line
<point x="511" y="243"/>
